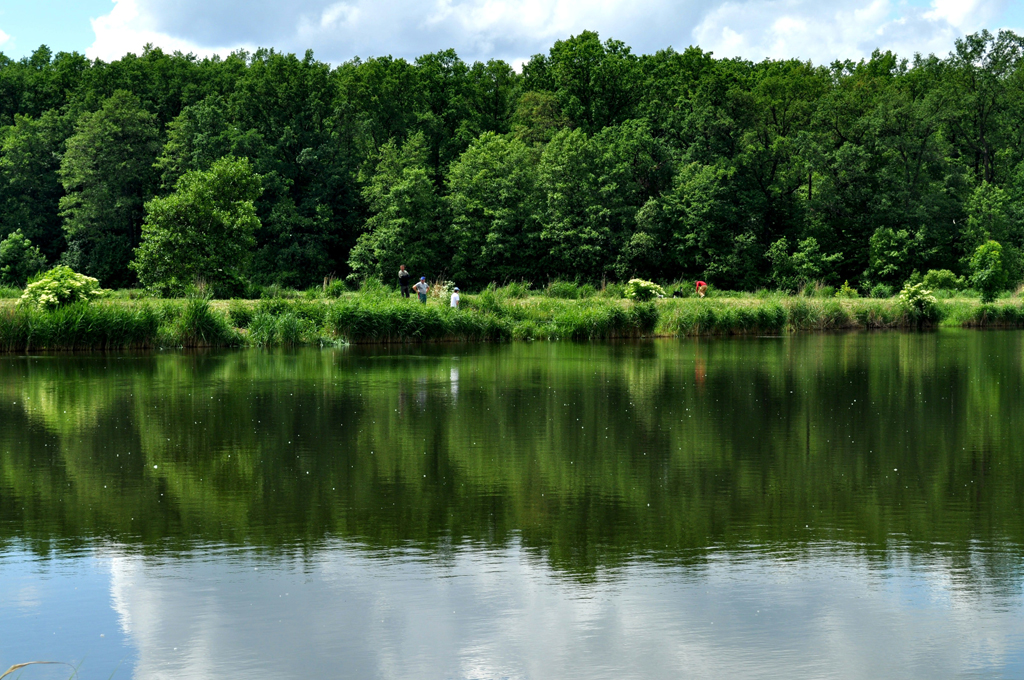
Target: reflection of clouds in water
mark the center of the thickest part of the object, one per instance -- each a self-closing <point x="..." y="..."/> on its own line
<point x="503" y="613"/>
<point x="454" y="377"/>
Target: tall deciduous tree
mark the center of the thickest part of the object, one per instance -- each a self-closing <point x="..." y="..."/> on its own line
<point x="204" y="230"/>
<point x="107" y="173"/>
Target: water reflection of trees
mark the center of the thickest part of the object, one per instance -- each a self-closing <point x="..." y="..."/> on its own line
<point x="587" y="454"/>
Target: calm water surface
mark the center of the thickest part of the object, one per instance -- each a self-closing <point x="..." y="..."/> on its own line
<point x="846" y="506"/>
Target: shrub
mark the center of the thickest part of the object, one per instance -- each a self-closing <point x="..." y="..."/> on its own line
<point x="643" y="291"/>
<point x="846" y="291"/>
<point x="881" y="290"/>
<point x="565" y="290"/>
<point x="335" y="288"/>
<point x="988" y="273"/>
<point x="19" y="259"/>
<point x="60" y="286"/>
<point x="917" y="302"/>
<point x="943" y="279"/>
<point x="239" y="313"/>
<point x="6" y="292"/>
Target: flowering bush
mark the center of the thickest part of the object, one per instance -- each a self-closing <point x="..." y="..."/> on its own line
<point x="917" y="302"/>
<point x="642" y="291"/>
<point x="60" y="286"/>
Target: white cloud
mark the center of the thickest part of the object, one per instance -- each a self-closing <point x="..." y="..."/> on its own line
<point x="338" y="30"/>
<point x="842" y="29"/>
<point x="129" y="28"/>
<point x="3" y="38"/>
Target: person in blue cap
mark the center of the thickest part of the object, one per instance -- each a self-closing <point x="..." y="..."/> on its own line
<point x="421" y="289"/>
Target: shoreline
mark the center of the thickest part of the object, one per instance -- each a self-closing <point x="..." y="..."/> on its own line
<point x="373" y="318"/>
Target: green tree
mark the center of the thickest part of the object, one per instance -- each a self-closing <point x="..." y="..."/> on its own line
<point x="30" y="152"/>
<point x="19" y="259"/>
<point x="205" y="229"/>
<point x="492" y="192"/>
<point x="405" y="226"/>
<point x="107" y="173"/>
<point x="890" y="255"/>
<point x="988" y="273"/>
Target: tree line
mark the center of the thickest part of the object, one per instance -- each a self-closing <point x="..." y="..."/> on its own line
<point x="592" y="164"/>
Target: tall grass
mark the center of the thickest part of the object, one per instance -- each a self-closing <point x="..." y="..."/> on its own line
<point x="196" y="325"/>
<point x="79" y="327"/>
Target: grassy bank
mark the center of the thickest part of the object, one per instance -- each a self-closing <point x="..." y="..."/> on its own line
<point x="381" y="316"/>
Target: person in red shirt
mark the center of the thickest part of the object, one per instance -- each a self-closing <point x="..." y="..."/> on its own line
<point x="702" y="288"/>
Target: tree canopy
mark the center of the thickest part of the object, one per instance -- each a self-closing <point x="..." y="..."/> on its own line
<point x="593" y="163"/>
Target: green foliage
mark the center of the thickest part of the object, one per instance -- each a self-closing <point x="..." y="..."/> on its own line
<point x="917" y="302"/>
<point x="107" y="173"/>
<point x="78" y="326"/>
<point x="642" y="291"/>
<point x="881" y="290"/>
<point x="567" y="290"/>
<point x="19" y="260"/>
<point x="943" y="279"/>
<point x="59" y="287"/>
<point x="988" y="273"/>
<point x="807" y="264"/>
<point x="7" y="292"/>
<point x="205" y="229"/>
<point x="197" y="325"/>
<point x="846" y="291"/>
<point x="593" y="164"/>
<point x="240" y="313"/>
<point x="890" y="255"/>
<point x="405" y="225"/>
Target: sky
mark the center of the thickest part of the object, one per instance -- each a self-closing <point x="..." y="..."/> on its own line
<point x="513" y="30"/>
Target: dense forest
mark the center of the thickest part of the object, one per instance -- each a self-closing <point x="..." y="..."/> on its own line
<point x="592" y="164"/>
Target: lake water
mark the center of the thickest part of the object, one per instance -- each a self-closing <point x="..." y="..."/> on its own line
<point x="814" y="506"/>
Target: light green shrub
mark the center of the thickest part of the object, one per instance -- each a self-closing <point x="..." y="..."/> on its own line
<point x="917" y="302"/>
<point x="60" y="286"/>
<point x="643" y="291"/>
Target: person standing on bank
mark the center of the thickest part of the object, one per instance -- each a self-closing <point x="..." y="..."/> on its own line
<point x="421" y="289"/>
<point x="455" y="298"/>
<point x="403" y="279"/>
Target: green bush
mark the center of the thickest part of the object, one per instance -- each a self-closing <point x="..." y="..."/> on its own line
<point x="643" y="291"/>
<point x="881" y="290"/>
<point x="335" y="288"/>
<point x="988" y="275"/>
<point x="240" y="313"/>
<point x="60" y="286"/>
<point x="565" y="290"/>
<point x="847" y="291"/>
<point x="943" y="279"/>
<point x="917" y="303"/>
<point x="7" y="292"/>
<point x="19" y="259"/>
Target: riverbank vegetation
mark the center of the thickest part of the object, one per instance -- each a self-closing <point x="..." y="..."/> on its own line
<point x="592" y="164"/>
<point x="377" y="314"/>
